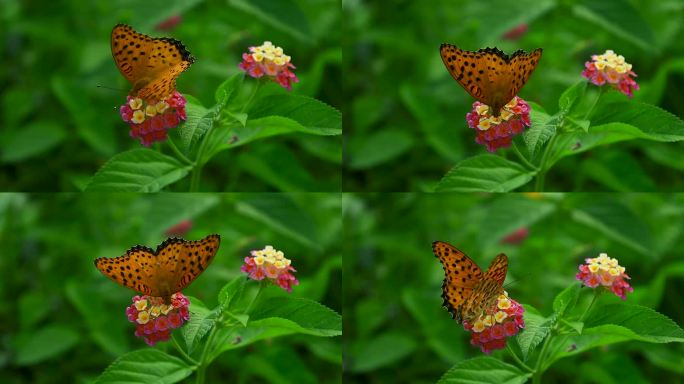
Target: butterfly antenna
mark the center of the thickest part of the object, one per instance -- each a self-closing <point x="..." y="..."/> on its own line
<point x="112" y="89"/>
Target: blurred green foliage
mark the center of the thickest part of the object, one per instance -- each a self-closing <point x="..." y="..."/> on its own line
<point x="59" y="126"/>
<point x="63" y="321"/>
<point x="394" y="323"/>
<point x="404" y="118"/>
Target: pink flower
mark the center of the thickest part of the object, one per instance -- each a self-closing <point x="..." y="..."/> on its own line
<point x="496" y="132"/>
<point x="154" y="319"/>
<point x="503" y="319"/>
<point x="151" y="119"/>
<point x="179" y="229"/>
<point x="604" y="271"/>
<point x="516" y="237"/>
<point x="269" y="60"/>
<point x="169" y="23"/>
<point x="272" y="264"/>
<point x="516" y="32"/>
<point x="612" y="69"/>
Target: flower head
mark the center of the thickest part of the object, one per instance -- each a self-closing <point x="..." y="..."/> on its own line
<point x="150" y="119"/>
<point x="502" y="320"/>
<point x="496" y="132"/>
<point x="611" y="69"/>
<point x="271" y="61"/>
<point x="272" y="264"/>
<point x="154" y="319"/>
<point x="604" y="271"/>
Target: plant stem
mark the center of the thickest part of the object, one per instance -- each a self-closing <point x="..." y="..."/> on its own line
<point x="178" y="152"/>
<point x="181" y="351"/>
<point x="203" y="363"/>
<point x="522" y="158"/>
<point x="536" y="378"/>
<point x="259" y="82"/>
<point x="541" y="175"/>
<point x="593" y="300"/>
<point x="517" y="359"/>
<point x="262" y="285"/>
<point x="600" y="93"/>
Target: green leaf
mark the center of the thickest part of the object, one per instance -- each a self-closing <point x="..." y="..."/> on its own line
<point x="381" y="351"/>
<point x="146" y="366"/>
<point x="485" y="173"/>
<point x="615" y="220"/>
<point x="137" y="170"/>
<point x="278" y="165"/>
<point x="653" y="122"/>
<point x="200" y="121"/>
<point x="616" y="323"/>
<point x="566" y="299"/>
<point x="300" y="315"/>
<point x="99" y="136"/>
<point x="644" y="323"/>
<point x="226" y="92"/>
<point x="537" y="327"/>
<point x="426" y="112"/>
<point x="509" y="213"/>
<point x="379" y="147"/>
<point x="201" y="321"/>
<point x="569" y="96"/>
<point x="231" y="292"/>
<point x="32" y="140"/>
<point x="279" y="212"/>
<point x="619" y="171"/>
<point x="110" y="336"/>
<point x="283" y="14"/>
<point x="618" y="17"/>
<point x="542" y="130"/>
<point x="261" y="128"/>
<point x="45" y="343"/>
<point x="315" y="116"/>
<point x="484" y="370"/>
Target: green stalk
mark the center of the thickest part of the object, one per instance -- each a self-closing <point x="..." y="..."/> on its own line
<point x="517" y="359"/>
<point x="178" y="152"/>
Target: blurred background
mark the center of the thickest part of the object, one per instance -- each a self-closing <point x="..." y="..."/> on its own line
<point x="394" y="322"/>
<point x="58" y="127"/>
<point x="404" y="116"/>
<point x="62" y="321"/>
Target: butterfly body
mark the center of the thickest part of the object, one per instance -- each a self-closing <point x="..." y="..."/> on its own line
<point x="466" y="290"/>
<point x="151" y="65"/>
<point x="162" y="272"/>
<point x="489" y="75"/>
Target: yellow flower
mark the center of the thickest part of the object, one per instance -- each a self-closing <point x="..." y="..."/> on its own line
<point x="138" y="117"/>
<point x="143" y="317"/>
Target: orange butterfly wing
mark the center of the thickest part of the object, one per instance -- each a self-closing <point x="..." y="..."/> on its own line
<point x="460" y="276"/>
<point x="173" y="266"/>
<point x="489" y="75"/>
<point x="152" y="65"/>
<point x="487" y="289"/>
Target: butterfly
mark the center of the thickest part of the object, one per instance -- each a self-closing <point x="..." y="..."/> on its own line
<point x="467" y="292"/>
<point x="490" y="75"/>
<point x="162" y="272"/>
<point x="152" y="65"/>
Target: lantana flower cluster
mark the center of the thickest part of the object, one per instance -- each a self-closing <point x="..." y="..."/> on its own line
<point x="502" y="320"/>
<point x="612" y="69"/>
<point x="150" y="119"/>
<point x="269" y="60"/>
<point x="496" y="132"/>
<point x="269" y="263"/>
<point x="155" y="319"/>
<point x="604" y="271"/>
